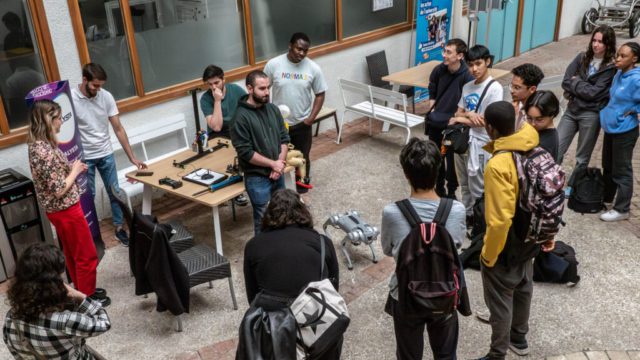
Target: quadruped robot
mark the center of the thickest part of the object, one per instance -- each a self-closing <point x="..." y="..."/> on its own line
<point x="358" y="231"/>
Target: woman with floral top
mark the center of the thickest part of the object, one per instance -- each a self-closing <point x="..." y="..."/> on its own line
<point x="49" y="319"/>
<point x="59" y="195"/>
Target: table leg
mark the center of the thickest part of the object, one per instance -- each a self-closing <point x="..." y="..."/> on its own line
<point x="290" y="180"/>
<point x="147" y="199"/>
<point x="216" y="229"/>
<point x="385" y="127"/>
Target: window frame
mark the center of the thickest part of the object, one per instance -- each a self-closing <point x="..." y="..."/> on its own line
<point x="144" y="99"/>
<point x="36" y="10"/>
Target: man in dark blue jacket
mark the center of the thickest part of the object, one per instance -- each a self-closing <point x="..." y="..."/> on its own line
<point x="445" y="88"/>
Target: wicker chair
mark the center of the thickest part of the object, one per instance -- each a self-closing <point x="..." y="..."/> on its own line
<point x="181" y="239"/>
<point x="378" y="69"/>
<point x="202" y="263"/>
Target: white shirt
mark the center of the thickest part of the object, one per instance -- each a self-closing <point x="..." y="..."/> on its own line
<point x="295" y="85"/>
<point x="521" y="117"/>
<point x="469" y="102"/>
<point x="594" y="66"/>
<point x="478" y="136"/>
<point x="93" y="115"/>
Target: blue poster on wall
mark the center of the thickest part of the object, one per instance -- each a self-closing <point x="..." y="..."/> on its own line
<point x="432" y="32"/>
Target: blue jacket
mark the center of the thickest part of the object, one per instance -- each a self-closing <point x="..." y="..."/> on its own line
<point x="625" y="96"/>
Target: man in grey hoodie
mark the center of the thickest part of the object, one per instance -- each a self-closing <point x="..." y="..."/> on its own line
<point x="260" y="138"/>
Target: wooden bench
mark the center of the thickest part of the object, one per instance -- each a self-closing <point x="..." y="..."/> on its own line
<point x="372" y="110"/>
<point x="325" y="113"/>
<point x="139" y="136"/>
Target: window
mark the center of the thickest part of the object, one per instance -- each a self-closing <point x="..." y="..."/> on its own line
<point x="103" y="29"/>
<point x="274" y="21"/>
<point x="155" y="50"/>
<point x="23" y="66"/>
<point x="358" y="16"/>
<point x="176" y="44"/>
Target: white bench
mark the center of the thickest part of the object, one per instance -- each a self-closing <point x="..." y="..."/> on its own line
<point x="372" y="110"/>
<point x="140" y="135"/>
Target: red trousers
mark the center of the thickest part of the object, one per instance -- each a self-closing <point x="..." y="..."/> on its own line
<point x="79" y="249"/>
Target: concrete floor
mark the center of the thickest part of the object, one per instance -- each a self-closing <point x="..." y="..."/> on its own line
<point x="602" y="312"/>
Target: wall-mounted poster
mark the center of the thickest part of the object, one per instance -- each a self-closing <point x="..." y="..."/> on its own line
<point x="382" y="4"/>
<point x="432" y="32"/>
<point x="191" y="10"/>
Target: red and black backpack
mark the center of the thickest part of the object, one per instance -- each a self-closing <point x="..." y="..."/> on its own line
<point x="429" y="272"/>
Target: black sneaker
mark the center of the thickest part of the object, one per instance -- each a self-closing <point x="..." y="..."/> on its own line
<point x="122" y="236"/>
<point x="100" y="293"/>
<point x="105" y="301"/>
<point x="240" y="200"/>
<point x="520" y="349"/>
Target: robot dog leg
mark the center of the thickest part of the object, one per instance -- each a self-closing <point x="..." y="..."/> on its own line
<point x="357" y="231"/>
<point x="295" y="159"/>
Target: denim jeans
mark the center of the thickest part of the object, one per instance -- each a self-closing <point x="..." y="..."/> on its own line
<point x="109" y="174"/>
<point x="259" y="189"/>
<point x="617" y="153"/>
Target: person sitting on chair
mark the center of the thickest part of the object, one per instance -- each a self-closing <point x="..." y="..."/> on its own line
<point x="218" y="105"/>
<point x="48" y="318"/>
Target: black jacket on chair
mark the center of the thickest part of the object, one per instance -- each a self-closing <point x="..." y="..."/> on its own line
<point x="156" y="266"/>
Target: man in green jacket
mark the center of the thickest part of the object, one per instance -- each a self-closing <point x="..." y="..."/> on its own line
<point x="260" y="138"/>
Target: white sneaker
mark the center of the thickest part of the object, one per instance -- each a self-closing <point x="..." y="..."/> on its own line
<point x="483" y="315"/>
<point x="613" y="215"/>
<point x="305" y="199"/>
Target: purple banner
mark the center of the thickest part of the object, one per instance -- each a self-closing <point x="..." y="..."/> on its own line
<point x="70" y="143"/>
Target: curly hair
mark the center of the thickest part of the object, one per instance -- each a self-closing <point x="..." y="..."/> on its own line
<point x="609" y="40"/>
<point x="37" y="286"/>
<point x="530" y="74"/>
<point x="285" y="208"/>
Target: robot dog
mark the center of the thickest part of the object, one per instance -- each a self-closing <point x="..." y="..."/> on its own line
<point x="358" y="231"/>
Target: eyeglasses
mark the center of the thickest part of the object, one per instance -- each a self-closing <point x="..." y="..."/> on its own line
<point x="517" y="87"/>
<point x="538" y="120"/>
<point x="447" y="52"/>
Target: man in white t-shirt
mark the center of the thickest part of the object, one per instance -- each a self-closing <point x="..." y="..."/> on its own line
<point x="470" y="166"/>
<point x="95" y="108"/>
<point x="298" y="83"/>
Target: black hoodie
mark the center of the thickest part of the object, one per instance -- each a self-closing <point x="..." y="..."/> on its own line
<point x="257" y="130"/>
<point x="587" y="92"/>
<point x="442" y="81"/>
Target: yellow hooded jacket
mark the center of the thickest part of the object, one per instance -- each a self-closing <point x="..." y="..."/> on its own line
<point x="501" y="189"/>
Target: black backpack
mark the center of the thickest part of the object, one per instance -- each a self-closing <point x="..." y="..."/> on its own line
<point x="558" y="266"/>
<point x="470" y="257"/>
<point x="587" y="191"/>
<point x="479" y="221"/>
<point x="429" y="271"/>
